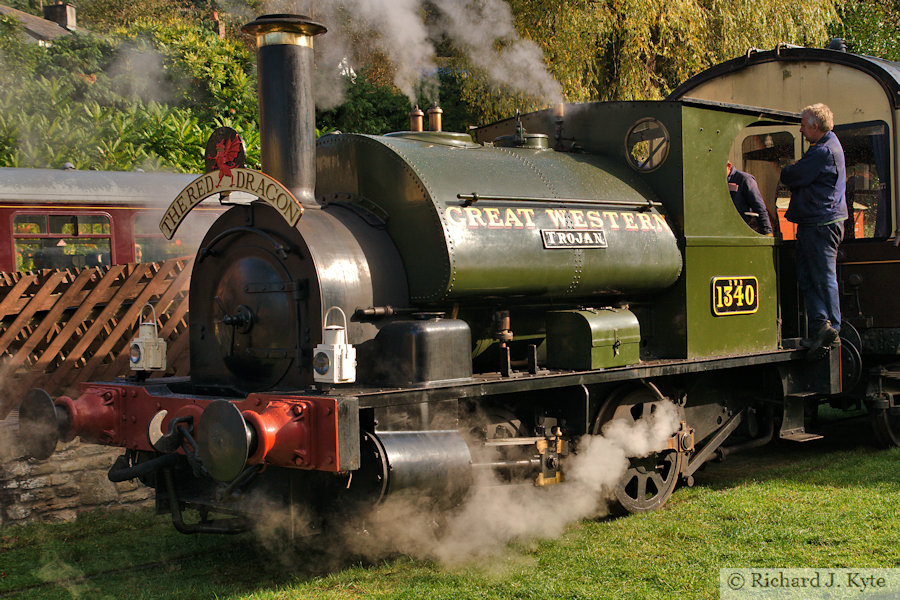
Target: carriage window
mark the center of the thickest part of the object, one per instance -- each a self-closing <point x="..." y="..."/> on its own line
<point x="91" y="224"/>
<point x="149" y="243"/>
<point x="53" y="241"/>
<point x="63" y="224"/>
<point x="152" y="248"/>
<point x="30" y="224"/>
<point x="867" y="153"/>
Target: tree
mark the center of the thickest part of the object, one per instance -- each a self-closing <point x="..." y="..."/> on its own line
<point x="148" y="98"/>
<point x="368" y="107"/>
<point x="214" y="76"/>
<point x="642" y="49"/>
<point x="871" y="27"/>
<point x="631" y="49"/>
<point x="103" y="16"/>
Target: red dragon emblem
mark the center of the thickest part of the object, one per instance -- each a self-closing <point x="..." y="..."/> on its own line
<point x="229" y="152"/>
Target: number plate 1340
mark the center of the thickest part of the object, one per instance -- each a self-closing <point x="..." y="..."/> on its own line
<point x="734" y="296"/>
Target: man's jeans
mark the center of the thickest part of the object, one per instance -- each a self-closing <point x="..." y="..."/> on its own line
<point x="817" y="247"/>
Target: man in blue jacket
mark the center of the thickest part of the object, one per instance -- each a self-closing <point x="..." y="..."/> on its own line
<point x="818" y="182"/>
<point x="747" y="200"/>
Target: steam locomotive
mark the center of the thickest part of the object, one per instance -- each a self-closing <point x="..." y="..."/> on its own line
<point x="396" y="313"/>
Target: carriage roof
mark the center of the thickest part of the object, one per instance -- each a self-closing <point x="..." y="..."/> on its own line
<point x="59" y="186"/>
<point x="885" y="72"/>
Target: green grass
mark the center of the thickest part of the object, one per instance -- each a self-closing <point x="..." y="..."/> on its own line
<point x="830" y="503"/>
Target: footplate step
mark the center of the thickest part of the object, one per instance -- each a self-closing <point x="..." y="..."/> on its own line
<point x="792" y="421"/>
<point x="799" y="436"/>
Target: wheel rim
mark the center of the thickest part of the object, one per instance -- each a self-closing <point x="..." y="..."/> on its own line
<point x="886" y="427"/>
<point x="851" y="357"/>
<point x="648" y="482"/>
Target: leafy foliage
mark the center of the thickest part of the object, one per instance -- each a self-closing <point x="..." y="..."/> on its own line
<point x="107" y="15"/>
<point x="871" y="27"/>
<point x="368" y="107"/>
<point x="204" y="72"/>
<point x="149" y="98"/>
<point x="469" y="98"/>
<point x="630" y="49"/>
<point x="162" y="80"/>
<point x="642" y="49"/>
<point x="25" y="6"/>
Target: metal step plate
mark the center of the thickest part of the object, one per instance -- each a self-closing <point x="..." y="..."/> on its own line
<point x="799" y="436"/>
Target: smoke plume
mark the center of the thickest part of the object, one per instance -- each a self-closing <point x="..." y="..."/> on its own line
<point x="484" y="30"/>
<point x="481" y="29"/>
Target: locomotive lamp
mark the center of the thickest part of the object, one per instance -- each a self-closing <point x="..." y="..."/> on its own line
<point x="148" y="350"/>
<point x="334" y="360"/>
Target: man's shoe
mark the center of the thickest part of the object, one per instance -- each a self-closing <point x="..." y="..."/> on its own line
<point x="821" y="343"/>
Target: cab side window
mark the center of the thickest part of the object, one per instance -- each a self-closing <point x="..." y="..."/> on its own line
<point x="867" y="154"/>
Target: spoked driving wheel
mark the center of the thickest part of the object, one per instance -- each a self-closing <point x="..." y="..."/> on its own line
<point x="649" y="481"/>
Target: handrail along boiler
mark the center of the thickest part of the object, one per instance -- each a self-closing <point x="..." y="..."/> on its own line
<point x="583" y="265"/>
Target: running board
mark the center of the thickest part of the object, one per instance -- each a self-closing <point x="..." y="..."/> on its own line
<point x="793" y="427"/>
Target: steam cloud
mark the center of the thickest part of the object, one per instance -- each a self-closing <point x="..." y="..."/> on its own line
<point x="482" y="29"/>
<point x="139" y="73"/>
<point x="485" y="31"/>
<point x="495" y="514"/>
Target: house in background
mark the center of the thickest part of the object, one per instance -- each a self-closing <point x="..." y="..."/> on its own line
<point x="59" y="20"/>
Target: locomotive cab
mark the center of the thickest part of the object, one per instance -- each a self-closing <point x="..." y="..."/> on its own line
<point x="864" y="94"/>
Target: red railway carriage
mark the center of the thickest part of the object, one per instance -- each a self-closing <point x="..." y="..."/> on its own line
<point x="58" y="219"/>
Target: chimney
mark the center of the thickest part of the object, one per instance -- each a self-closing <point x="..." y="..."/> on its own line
<point x="219" y="25"/>
<point x="287" y="120"/>
<point x="415" y="119"/>
<point x="434" y="117"/>
<point x="62" y="13"/>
